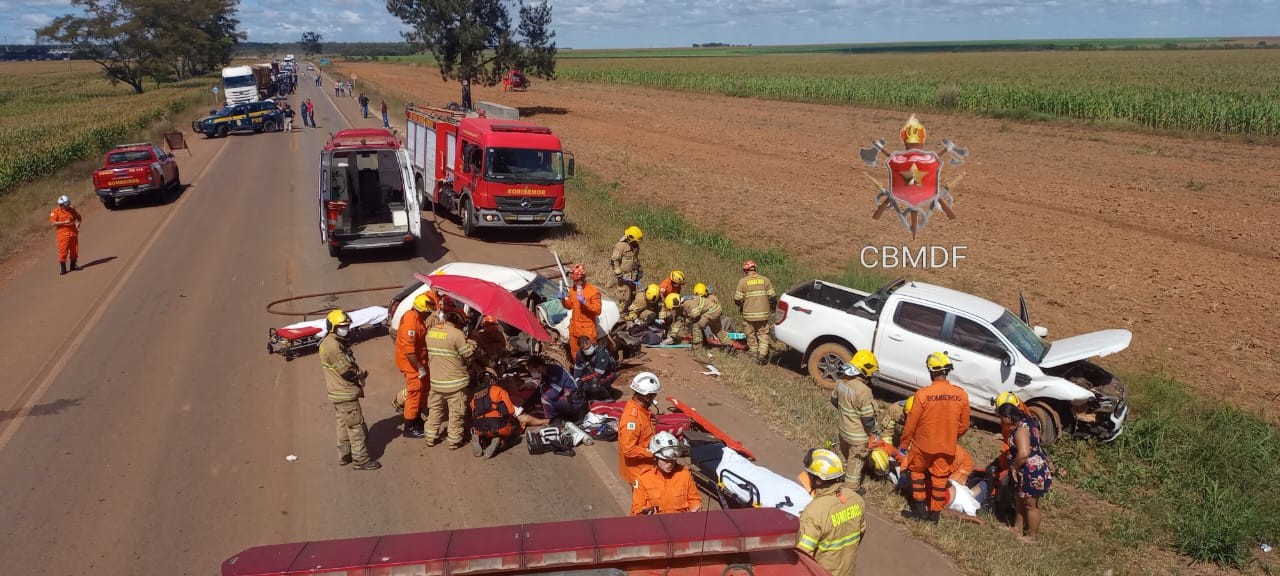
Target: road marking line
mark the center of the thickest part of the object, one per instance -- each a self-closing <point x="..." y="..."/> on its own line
<point x="90" y="320"/>
<point x="611" y="481"/>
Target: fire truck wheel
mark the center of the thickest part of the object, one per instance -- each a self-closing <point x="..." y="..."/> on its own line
<point x="469" y="220"/>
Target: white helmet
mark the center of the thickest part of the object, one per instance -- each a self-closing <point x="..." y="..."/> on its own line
<point x="645" y="383"/>
<point x="63" y="200"/>
<point x="664" y="446"/>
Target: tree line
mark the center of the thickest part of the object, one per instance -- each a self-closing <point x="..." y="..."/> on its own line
<point x="161" y="40"/>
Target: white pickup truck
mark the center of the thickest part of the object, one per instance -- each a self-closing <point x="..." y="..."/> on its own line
<point x="993" y="351"/>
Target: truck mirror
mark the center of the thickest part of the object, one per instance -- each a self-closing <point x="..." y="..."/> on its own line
<point x="571" y="167"/>
<point x="1040" y="331"/>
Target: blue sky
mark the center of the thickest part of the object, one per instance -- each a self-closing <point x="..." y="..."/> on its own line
<point x="646" y="23"/>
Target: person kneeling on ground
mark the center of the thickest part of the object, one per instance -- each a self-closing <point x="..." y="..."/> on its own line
<point x="496" y="421"/>
<point x="594" y="369"/>
<point x="668" y="487"/>
<point x="561" y="396"/>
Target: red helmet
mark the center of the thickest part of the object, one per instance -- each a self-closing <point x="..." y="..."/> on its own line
<point x="488" y="320"/>
<point x="578" y="272"/>
<point x="749" y="265"/>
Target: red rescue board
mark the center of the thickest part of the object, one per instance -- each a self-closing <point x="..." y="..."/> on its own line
<point x="712" y="429"/>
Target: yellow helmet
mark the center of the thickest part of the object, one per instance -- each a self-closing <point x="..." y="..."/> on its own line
<point x="424" y="302"/>
<point x="1007" y="398"/>
<point x="913" y="132"/>
<point x="677" y="277"/>
<point x="865" y="362"/>
<point x="699" y="289"/>
<point x="673" y="300"/>
<point x="880" y="460"/>
<point x="335" y="318"/>
<point x="652" y="292"/>
<point x="634" y="233"/>
<point x="938" y="362"/>
<point x="825" y="465"/>
<point x="906" y="406"/>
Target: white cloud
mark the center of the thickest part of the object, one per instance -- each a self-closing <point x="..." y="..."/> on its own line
<point x="45" y="3"/>
<point x="35" y="19"/>
<point x="350" y="17"/>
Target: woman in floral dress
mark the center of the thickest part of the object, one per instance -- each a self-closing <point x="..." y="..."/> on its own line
<point x="1031" y="471"/>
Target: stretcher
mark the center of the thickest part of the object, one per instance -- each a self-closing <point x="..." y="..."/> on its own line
<point x="738" y="482"/>
<point x="302" y="337"/>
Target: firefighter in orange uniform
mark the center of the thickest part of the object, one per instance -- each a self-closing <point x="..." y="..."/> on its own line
<point x="411" y="359"/>
<point x="494" y="421"/>
<point x="667" y="488"/>
<point x="584" y="302"/>
<point x="934" y="425"/>
<point x="672" y="284"/>
<point x="635" y="428"/>
<point x="66" y="221"/>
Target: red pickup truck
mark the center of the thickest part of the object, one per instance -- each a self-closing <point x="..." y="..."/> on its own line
<point x="133" y="170"/>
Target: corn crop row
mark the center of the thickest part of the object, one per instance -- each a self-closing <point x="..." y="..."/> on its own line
<point x="1225" y="92"/>
<point x="48" y="121"/>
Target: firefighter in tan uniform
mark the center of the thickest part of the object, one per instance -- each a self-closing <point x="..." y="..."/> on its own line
<point x="698" y="312"/>
<point x="448" y="352"/>
<point x="755" y="297"/>
<point x="625" y="261"/>
<point x="670" y="317"/>
<point x="344" y="381"/>
<point x="645" y="306"/>
<point x="858" y="424"/>
<point x="831" y="526"/>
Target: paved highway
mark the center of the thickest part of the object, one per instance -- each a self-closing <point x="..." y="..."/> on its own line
<point x="144" y="429"/>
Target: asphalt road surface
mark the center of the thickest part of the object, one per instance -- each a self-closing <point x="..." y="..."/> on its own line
<point x="144" y="429"/>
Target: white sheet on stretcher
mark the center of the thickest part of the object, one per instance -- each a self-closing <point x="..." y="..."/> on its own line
<point x="361" y="317"/>
<point x="774" y="488"/>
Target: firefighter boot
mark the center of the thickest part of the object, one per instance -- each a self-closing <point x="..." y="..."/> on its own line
<point x="493" y="447"/>
<point x="412" y="429"/>
<point x="73" y="267"/>
<point x="918" y="511"/>
<point x="476" y="449"/>
<point x="934" y="516"/>
<point x="63" y="266"/>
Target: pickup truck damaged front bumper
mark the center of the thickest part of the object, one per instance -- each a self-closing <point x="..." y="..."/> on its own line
<point x="1104" y="416"/>
<point x="500" y="219"/>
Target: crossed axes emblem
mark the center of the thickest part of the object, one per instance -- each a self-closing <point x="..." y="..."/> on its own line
<point x="913" y="218"/>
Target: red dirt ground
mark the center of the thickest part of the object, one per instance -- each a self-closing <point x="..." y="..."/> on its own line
<point x="1172" y="238"/>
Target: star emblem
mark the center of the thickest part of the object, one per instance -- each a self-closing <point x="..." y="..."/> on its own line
<point x="914" y="176"/>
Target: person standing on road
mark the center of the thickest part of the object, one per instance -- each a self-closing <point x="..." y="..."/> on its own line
<point x="66" y="221"/>
<point x="939" y="417"/>
<point x="585" y="305"/>
<point x="448" y="351"/>
<point x="635" y="428"/>
<point x="364" y="106"/>
<point x="386" y="120"/>
<point x="337" y="88"/>
<point x="1032" y="474"/>
<point x="832" y="524"/>
<point x="756" y="298"/>
<point x="625" y="260"/>
<point x="345" y="383"/>
<point x="667" y="487"/>
<point x="411" y="359"/>
<point x="288" y="118"/>
<point x="852" y="397"/>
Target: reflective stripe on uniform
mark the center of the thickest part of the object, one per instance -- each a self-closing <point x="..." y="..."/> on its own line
<point x="808" y="543"/>
<point x="833" y="545"/>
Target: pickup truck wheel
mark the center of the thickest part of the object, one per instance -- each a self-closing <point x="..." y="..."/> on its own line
<point x="469" y="220"/>
<point x="334" y="251"/>
<point x="108" y="202"/>
<point x="1050" y="424"/>
<point x="825" y="361"/>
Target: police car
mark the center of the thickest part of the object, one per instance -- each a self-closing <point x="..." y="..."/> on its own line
<point x="261" y="116"/>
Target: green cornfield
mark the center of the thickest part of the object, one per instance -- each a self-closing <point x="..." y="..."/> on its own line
<point x="1211" y="91"/>
<point x="52" y="114"/>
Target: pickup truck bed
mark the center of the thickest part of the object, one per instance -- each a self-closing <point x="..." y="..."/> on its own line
<point x="833" y="296"/>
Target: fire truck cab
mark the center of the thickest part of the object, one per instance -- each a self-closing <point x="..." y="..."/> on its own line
<point x="738" y="542"/>
<point x="367" y="197"/>
<point x="491" y="173"/>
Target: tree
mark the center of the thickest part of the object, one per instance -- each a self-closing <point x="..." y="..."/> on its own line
<point x="311" y="43"/>
<point x="474" y="40"/>
<point x="109" y="33"/>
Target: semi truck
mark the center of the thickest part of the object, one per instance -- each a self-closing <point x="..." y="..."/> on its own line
<point x="244" y="84"/>
<point x="367" y="197"/>
<point x="738" y="542"/>
<point x="490" y="173"/>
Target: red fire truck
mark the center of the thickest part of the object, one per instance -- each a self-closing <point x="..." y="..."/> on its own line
<point x="512" y="172"/>
<point x="740" y="542"/>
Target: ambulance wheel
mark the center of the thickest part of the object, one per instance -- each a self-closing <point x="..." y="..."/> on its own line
<point x="469" y="220"/>
<point x="825" y="361"/>
<point x="270" y="126"/>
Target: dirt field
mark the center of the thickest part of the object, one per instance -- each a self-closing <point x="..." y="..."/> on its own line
<point x="1168" y="237"/>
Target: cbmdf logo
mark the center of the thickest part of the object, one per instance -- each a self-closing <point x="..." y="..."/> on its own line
<point x="914" y="189"/>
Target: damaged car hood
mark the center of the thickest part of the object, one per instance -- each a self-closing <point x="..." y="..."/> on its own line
<point x="1100" y="343"/>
